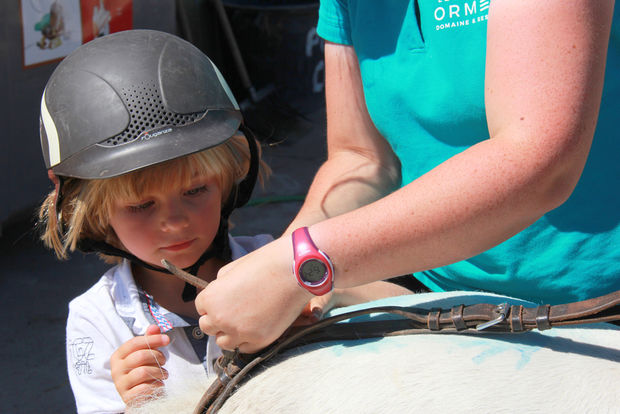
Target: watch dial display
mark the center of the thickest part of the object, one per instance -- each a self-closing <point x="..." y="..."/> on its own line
<point x="312" y="270"/>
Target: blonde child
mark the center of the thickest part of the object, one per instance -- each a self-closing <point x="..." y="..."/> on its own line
<point x="140" y="135"/>
<point x="149" y="156"/>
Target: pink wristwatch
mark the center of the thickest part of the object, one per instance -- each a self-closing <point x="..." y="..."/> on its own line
<point x="312" y="268"/>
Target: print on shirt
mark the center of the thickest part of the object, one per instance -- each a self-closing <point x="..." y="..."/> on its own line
<point x="80" y="355"/>
<point x="453" y="14"/>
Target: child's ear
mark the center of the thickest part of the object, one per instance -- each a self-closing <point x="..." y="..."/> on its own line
<point x="57" y="181"/>
<point x="53" y="178"/>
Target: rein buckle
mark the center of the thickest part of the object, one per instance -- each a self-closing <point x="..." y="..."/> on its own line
<point x="502" y="309"/>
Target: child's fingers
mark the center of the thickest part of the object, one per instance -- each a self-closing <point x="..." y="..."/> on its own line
<point x="144" y="357"/>
<point x="142" y="342"/>
<point x="144" y="375"/>
<point x="152" y="330"/>
<point x="136" y="366"/>
<point x="125" y="371"/>
<point x="140" y="384"/>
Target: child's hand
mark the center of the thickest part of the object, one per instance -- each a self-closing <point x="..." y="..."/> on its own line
<point x="136" y="365"/>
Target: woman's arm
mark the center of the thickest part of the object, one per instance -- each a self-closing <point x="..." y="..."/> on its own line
<point x="361" y="166"/>
<point x="544" y="76"/>
<point x="545" y="70"/>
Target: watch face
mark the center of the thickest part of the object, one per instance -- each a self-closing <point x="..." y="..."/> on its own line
<point x="312" y="270"/>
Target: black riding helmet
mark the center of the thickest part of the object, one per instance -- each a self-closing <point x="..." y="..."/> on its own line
<point x="138" y="98"/>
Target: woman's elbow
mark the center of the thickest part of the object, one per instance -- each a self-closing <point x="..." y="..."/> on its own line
<point x="560" y="181"/>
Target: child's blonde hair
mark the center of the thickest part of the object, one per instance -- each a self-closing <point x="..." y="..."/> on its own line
<point x="86" y="205"/>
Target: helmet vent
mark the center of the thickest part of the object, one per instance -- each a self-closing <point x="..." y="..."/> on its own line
<point x="147" y="112"/>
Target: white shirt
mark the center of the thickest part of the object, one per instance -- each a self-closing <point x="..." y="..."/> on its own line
<point x="115" y="310"/>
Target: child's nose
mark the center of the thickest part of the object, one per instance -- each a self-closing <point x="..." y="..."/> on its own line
<point x="174" y="217"/>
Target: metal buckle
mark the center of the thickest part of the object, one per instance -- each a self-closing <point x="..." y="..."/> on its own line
<point x="502" y="309"/>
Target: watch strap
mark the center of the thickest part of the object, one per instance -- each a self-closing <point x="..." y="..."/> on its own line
<point x="305" y="249"/>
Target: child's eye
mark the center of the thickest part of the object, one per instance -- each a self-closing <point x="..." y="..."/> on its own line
<point x="140" y="207"/>
<point x="196" y="191"/>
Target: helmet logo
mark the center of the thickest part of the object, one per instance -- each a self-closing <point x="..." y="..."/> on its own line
<point x="146" y="135"/>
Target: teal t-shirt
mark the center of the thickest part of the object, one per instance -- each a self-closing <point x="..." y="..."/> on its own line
<point x="422" y="65"/>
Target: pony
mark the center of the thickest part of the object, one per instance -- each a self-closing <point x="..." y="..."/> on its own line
<point x="567" y="369"/>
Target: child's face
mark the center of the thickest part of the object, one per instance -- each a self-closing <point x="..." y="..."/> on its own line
<point x="175" y="223"/>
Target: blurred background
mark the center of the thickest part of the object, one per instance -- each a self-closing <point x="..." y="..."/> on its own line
<point x="269" y="53"/>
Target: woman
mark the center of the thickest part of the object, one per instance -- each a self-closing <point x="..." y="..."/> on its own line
<point x="484" y="116"/>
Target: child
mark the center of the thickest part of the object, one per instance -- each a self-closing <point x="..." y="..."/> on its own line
<point x="116" y="105"/>
<point x="139" y="133"/>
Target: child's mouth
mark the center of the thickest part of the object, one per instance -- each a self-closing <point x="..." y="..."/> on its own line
<point x="178" y="246"/>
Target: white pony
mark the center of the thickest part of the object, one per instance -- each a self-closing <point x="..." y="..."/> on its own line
<point x="563" y="369"/>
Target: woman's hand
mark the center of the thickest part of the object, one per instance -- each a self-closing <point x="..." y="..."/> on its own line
<point x="136" y="366"/>
<point x="254" y="299"/>
<point x="316" y="308"/>
<point x="320" y="305"/>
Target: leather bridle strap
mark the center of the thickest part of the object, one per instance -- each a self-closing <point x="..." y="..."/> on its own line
<point x="233" y="366"/>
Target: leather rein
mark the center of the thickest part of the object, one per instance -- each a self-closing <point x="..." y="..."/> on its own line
<point x="232" y="367"/>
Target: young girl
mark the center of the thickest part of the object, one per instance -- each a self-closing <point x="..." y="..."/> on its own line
<point x="141" y="137"/>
